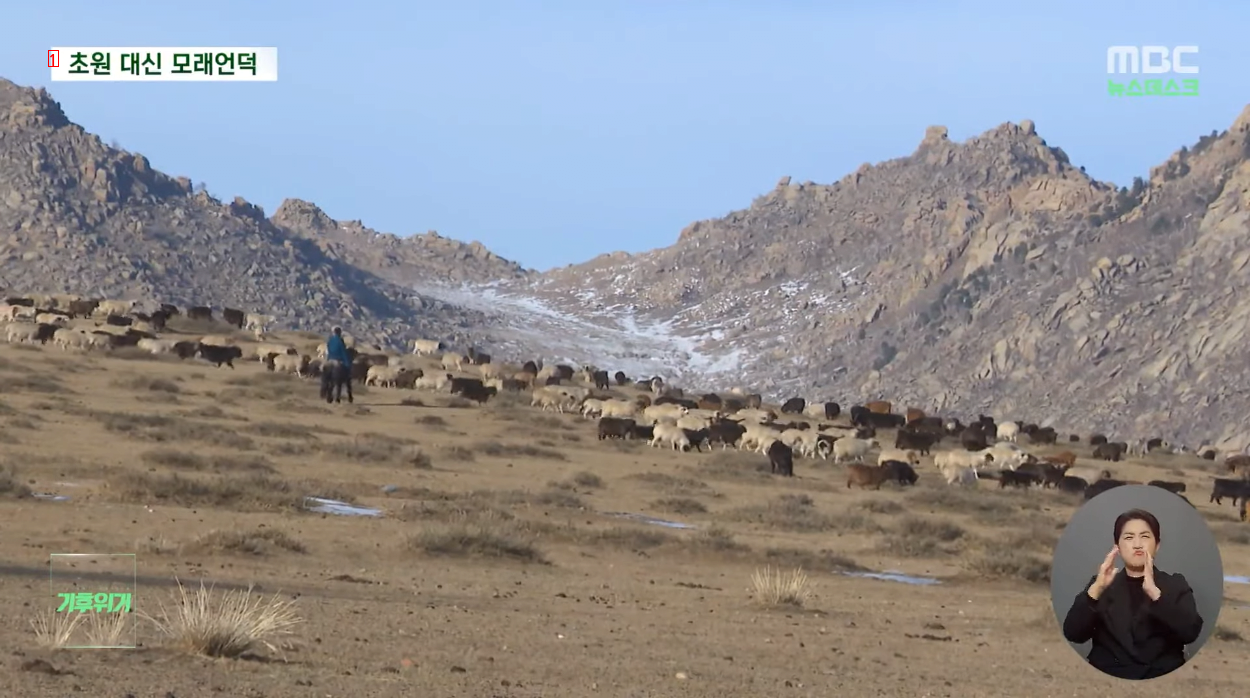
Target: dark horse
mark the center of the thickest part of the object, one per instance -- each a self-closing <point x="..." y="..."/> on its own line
<point x="334" y="377"/>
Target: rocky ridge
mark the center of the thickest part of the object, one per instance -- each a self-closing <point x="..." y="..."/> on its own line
<point x="991" y="275"/>
<point x="79" y="216"/>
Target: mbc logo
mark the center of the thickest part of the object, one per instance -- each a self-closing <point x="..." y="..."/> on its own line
<point x="1150" y="60"/>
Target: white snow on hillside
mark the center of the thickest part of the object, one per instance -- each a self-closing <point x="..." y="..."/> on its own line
<point x="614" y="338"/>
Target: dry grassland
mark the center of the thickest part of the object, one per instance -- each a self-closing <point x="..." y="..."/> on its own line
<point x="494" y="569"/>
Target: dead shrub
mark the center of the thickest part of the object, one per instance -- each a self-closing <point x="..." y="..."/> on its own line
<point x="246" y="493"/>
<point x="496" y="449"/>
<point x="259" y="542"/>
<point x="379" y="449"/>
<point x="36" y="383"/>
<point x="165" y="429"/>
<point x="478" y="538"/>
<point x="798" y="513"/>
<point x="142" y="383"/>
<point x="673" y="485"/>
<point x="679" y="505"/>
<point x="916" y="536"/>
<point x="187" y="460"/>
<point x="1001" y="561"/>
<point x="11" y="486"/>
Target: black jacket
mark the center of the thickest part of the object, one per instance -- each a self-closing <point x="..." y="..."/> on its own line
<point x="1144" y="644"/>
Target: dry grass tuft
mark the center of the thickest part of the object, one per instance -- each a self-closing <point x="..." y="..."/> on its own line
<point x="229" y="626"/>
<point x="110" y="629"/>
<point x="1000" y="560"/>
<point x="798" y="513"/>
<point x="11" y="486"/>
<point x="54" y="630"/>
<point x="259" y="542"/>
<point x="679" y="505"/>
<point x="917" y="536"/>
<point x="479" y="536"/>
<point x="494" y="449"/>
<point x="773" y="587"/>
<point x="247" y="493"/>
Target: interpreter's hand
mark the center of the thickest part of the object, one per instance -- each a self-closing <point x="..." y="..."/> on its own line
<point x="1148" y="582"/>
<point x="1106" y="573"/>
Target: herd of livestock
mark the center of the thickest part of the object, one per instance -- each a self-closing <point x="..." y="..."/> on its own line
<point x="646" y="409"/>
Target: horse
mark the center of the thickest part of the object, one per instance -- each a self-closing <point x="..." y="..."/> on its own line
<point x="334" y="377"/>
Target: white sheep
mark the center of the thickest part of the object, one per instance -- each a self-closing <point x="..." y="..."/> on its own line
<point x="621" y="409"/>
<point x="114" y="307"/>
<point x="956" y="475"/>
<point x="426" y="347"/>
<point x="1008" y="431"/>
<point x="655" y="413"/>
<point x="382" y="376"/>
<point x="962" y="459"/>
<point x="451" y="360"/>
<point x="288" y="363"/>
<point x="549" y="399"/>
<point x="156" y="347"/>
<point x="21" y="332"/>
<point x="672" y="435"/>
<point x="592" y="408"/>
<point x="52" y="319"/>
<point x="255" y="322"/>
<point x="217" y="340"/>
<point x="438" y="382"/>
<point x="850" y="448"/>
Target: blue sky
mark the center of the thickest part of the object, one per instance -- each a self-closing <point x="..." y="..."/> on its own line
<point x="553" y="131"/>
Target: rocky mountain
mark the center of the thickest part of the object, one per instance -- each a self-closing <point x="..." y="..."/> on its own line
<point x="986" y="276"/>
<point x="991" y="275"/>
<point x="79" y="216"/>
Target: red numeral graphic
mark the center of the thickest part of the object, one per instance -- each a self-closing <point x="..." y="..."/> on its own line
<point x="54" y="58"/>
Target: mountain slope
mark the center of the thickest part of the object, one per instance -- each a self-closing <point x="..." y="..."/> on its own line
<point x="82" y="217"/>
<point x="987" y="275"/>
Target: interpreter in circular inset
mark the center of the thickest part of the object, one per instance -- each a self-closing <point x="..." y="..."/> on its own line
<point x="1137" y="582"/>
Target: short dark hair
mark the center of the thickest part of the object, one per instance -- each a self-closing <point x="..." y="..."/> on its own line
<point x="1137" y="515"/>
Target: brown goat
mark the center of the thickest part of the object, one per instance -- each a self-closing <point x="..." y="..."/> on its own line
<point x="879" y="406"/>
<point x="1237" y="462"/>
<point x="865" y="476"/>
<point x="1067" y="458"/>
<point x="914" y="415"/>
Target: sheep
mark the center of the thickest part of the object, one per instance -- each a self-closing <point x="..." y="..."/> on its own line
<point x="549" y="399"/>
<point x="754" y="415"/>
<point x="256" y="322"/>
<point x="672" y="435"/>
<point x="592" y="408"/>
<point x="900" y="455"/>
<point x="21" y="332"/>
<point x="264" y="349"/>
<point x="438" y="383"/>
<point x="953" y="460"/>
<point x="852" y="449"/>
<point x="67" y="338"/>
<point x="451" y="360"/>
<point x="106" y="308"/>
<point x="426" y="347"/>
<point x="156" y="347"/>
<point x="288" y="363"/>
<point x="51" y="319"/>
<point x="620" y="409"/>
<point x="1008" y="431"/>
<point x="655" y="413"/>
<point x="1009" y="458"/>
<point x="956" y="475"/>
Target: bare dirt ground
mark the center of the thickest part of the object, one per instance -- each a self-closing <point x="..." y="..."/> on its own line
<point x="493" y="570"/>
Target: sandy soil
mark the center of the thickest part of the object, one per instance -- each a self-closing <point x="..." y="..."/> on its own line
<point x="493" y="570"/>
